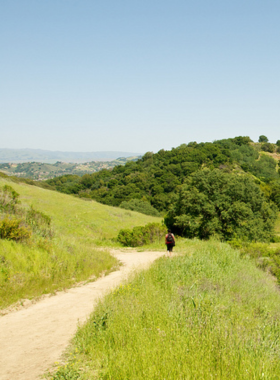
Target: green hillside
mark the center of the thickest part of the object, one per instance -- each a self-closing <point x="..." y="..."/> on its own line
<point x="157" y="176"/>
<point x="74" y="216"/>
<point x="229" y="188"/>
<point x="43" y="264"/>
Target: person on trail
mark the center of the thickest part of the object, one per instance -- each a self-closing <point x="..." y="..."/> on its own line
<point x="169" y="241"/>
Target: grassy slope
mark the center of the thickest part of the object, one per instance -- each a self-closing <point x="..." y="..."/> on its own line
<point x="203" y="315"/>
<point x="84" y="219"/>
<point x="29" y="270"/>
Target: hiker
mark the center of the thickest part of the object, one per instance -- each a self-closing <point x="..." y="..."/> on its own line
<point x="169" y="241"/>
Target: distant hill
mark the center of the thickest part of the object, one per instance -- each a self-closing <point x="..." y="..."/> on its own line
<point x="47" y="156"/>
<point x="42" y="171"/>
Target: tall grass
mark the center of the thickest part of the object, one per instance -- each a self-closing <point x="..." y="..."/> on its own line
<point x="206" y="314"/>
<point x="29" y="270"/>
<point x="41" y="265"/>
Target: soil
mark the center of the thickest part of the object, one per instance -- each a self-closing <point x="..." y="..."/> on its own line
<point x="34" y="337"/>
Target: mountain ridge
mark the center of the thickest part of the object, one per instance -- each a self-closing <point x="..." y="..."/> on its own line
<point x="48" y="156"/>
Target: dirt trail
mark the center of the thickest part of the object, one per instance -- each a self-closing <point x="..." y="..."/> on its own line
<point x="32" y="339"/>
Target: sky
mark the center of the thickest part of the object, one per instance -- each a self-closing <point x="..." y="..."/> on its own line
<point x="137" y="75"/>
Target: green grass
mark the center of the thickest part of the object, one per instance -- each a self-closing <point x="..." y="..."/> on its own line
<point x="83" y="219"/>
<point x="206" y="314"/>
<point x="76" y="252"/>
<point x="28" y="271"/>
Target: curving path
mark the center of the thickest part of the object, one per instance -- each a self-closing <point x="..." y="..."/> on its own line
<point x="32" y="339"/>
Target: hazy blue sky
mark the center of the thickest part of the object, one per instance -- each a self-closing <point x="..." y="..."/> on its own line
<point x="95" y="75"/>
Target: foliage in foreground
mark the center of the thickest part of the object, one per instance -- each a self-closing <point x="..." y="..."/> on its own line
<point x="222" y="204"/>
<point x="207" y="314"/>
<point x="142" y="235"/>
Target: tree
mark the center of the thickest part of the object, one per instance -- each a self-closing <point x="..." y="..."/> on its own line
<point x="241" y="140"/>
<point x="227" y="205"/>
<point x="263" y="139"/>
<point x="278" y="142"/>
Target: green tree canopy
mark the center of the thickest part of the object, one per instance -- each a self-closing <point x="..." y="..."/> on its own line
<point x="263" y="139"/>
<point x="156" y="176"/>
<point x="223" y="204"/>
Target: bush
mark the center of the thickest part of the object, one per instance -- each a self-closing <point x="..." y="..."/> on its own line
<point x="140" y="206"/>
<point x="16" y="229"/>
<point x="264" y="168"/>
<point x="8" y="199"/>
<point x="39" y="222"/>
<point x="11" y="229"/>
<point x="267" y="147"/>
<point x="142" y="235"/>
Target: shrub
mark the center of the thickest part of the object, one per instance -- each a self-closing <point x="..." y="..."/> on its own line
<point x="8" y="199"/>
<point x="141" y="235"/>
<point x="14" y="229"/>
<point x="39" y="222"/>
<point x="11" y="229"/>
<point x="264" y="168"/>
<point x="140" y="206"/>
<point x="267" y="147"/>
<point x="125" y="237"/>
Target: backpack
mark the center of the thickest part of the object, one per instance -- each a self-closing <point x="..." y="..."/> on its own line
<point x="170" y="238"/>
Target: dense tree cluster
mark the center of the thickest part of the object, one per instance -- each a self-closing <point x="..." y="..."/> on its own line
<point x="155" y="177"/>
<point x="228" y="205"/>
